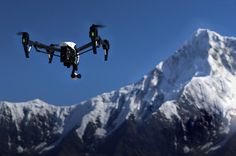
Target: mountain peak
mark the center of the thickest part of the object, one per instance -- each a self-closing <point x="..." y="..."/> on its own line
<point x="206" y="54"/>
<point x="205" y="60"/>
<point x="37" y="101"/>
<point x="204" y="31"/>
<point x="204" y="39"/>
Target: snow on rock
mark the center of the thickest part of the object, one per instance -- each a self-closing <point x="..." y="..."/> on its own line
<point x="98" y="109"/>
<point x="169" y="108"/>
<point x="205" y="69"/>
<point x="25" y="110"/>
<point x="49" y="120"/>
<point x="100" y="132"/>
<point x="204" y="66"/>
<point x="20" y="150"/>
<point x="186" y="149"/>
<point x="207" y="146"/>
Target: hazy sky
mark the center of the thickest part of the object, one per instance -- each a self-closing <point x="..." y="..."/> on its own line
<point x="141" y="34"/>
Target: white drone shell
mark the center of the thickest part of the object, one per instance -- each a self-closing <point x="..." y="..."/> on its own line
<point x="70" y="44"/>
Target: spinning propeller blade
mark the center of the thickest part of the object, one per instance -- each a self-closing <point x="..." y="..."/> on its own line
<point x="98" y="26"/>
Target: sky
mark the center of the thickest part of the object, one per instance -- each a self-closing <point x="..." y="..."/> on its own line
<point x="141" y="33"/>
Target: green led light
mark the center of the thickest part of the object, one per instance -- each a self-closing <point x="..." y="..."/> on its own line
<point x="92" y="34"/>
<point x="23" y="40"/>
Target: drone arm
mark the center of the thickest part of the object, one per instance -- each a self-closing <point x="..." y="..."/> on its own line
<point x="39" y="45"/>
<point x="84" y="47"/>
<point x="50" y="50"/>
<point x="105" y="45"/>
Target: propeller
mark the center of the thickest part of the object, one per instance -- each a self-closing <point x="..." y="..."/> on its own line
<point x="98" y="26"/>
<point x="21" y="33"/>
<point x="93" y="34"/>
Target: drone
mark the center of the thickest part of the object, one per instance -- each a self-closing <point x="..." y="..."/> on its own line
<point x="68" y="52"/>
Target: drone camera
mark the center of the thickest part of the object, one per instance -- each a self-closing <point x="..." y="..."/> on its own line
<point x="75" y="76"/>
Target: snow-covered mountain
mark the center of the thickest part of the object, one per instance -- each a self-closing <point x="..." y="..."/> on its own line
<point x="185" y="106"/>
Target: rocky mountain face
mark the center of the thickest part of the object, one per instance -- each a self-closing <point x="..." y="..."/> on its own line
<point x="185" y="106"/>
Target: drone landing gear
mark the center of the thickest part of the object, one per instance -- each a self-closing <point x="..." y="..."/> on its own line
<point x="75" y="75"/>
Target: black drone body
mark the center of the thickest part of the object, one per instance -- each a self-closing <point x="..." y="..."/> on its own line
<point x="68" y="52"/>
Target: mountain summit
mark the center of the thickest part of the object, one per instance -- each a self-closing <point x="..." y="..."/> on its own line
<point x="185" y="106"/>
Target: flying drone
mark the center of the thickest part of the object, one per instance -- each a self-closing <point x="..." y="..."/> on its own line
<point x="68" y="52"/>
